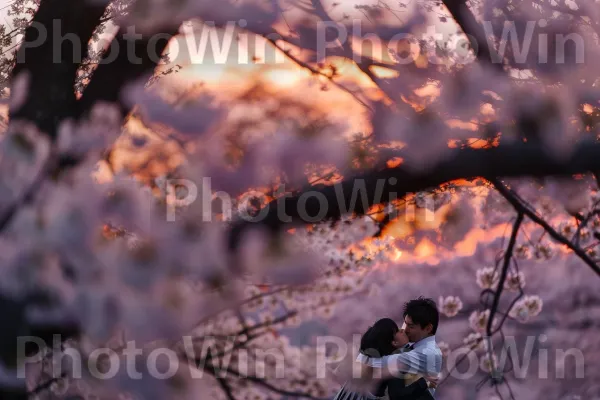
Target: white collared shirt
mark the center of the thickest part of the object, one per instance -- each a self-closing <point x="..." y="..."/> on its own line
<point x="424" y="359"/>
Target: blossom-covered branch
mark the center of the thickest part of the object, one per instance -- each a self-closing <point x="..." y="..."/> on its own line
<point x="383" y="185"/>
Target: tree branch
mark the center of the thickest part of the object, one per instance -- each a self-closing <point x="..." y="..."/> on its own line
<point x="504" y="271"/>
<point x="513" y="198"/>
<point x="475" y="33"/>
<point x="320" y="202"/>
<point x="54" y="45"/>
<point x="135" y="59"/>
<point x="225" y="386"/>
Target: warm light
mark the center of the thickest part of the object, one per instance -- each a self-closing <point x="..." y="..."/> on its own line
<point x="394" y="162"/>
<point x="425" y="248"/>
<point x="429" y="90"/>
<point x="283" y="77"/>
<point x="103" y="173"/>
<point x="488" y="109"/>
<point x="384" y="73"/>
<point x="457" y="123"/>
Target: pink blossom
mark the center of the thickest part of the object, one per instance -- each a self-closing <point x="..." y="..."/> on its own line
<point x="463" y="93"/>
<point x="475" y="341"/>
<point x="515" y="281"/>
<point x="450" y="306"/>
<point x="533" y="304"/>
<point x="423" y="133"/>
<point x="520" y="312"/>
<point x="19" y="90"/>
<point x="487" y="278"/>
<point x="595" y="224"/>
<point x="489" y="363"/>
<point x="95" y="133"/>
<point x="278" y="260"/>
<point x="543" y="251"/>
<point x="572" y="194"/>
<point x="523" y="252"/>
<point x="478" y="320"/>
<point x="584" y="236"/>
<point x="197" y="118"/>
<point x="527" y="308"/>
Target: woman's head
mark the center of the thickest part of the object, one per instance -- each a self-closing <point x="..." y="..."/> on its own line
<point x="382" y="338"/>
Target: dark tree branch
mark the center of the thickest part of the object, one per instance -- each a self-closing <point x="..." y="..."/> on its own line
<point x="382" y="224"/>
<point x="504" y="272"/>
<point x="54" y="45"/>
<point x="226" y="388"/>
<point x="583" y="221"/>
<point x="45" y="385"/>
<point x="135" y="59"/>
<point x="331" y="202"/>
<point x="519" y="205"/>
<point x="475" y="33"/>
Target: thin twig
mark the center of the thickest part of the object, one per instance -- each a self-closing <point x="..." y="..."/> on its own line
<point x="519" y="206"/>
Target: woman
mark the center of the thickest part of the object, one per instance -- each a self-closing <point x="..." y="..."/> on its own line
<point x="382" y="339"/>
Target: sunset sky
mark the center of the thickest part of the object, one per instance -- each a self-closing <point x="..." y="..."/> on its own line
<point x="230" y="78"/>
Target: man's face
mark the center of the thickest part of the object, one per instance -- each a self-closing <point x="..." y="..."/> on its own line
<point x="414" y="331"/>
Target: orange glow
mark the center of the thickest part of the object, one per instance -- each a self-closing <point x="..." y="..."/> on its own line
<point x="487" y="109"/>
<point x="396" y="254"/>
<point x="425" y="249"/>
<point x="475" y="143"/>
<point x="469" y="244"/>
<point x="456" y="123"/>
<point x="399" y="228"/>
<point x="290" y="81"/>
<point x="384" y="73"/>
<point x="284" y="77"/>
<point x="394" y="162"/>
<point x="429" y="90"/>
<point x="422" y="61"/>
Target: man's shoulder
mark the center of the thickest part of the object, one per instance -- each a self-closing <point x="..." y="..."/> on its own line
<point x="435" y="345"/>
<point x="437" y="348"/>
<point x="432" y="348"/>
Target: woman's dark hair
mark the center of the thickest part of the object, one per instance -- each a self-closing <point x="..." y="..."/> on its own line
<point x="377" y="340"/>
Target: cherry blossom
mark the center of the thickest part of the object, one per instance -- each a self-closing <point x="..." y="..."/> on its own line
<point x="523" y="251"/>
<point x="100" y="241"/>
<point x="478" y="320"/>
<point x="515" y="281"/>
<point x="489" y="363"/>
<point x="487" y="278"/>
<point x="543" y="251"/>
<point x="450" y="306"/>
<point x="475" y="341"/>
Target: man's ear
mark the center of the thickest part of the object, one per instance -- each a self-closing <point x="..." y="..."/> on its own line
<point x="429" y="328"/>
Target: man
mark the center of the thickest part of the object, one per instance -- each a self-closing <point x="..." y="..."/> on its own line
<point x="421" y="319"/>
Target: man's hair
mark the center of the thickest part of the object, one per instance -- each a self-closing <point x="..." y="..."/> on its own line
<point x="423" y="311"/>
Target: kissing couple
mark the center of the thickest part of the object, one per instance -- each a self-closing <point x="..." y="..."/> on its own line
<point x="409" y="358"/>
